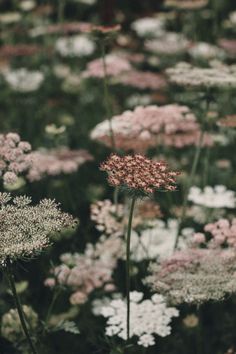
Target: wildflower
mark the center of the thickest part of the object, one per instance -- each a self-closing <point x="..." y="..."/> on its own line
<point x="170" y="43"/>
<point x="195" y="276"/>
<point x="148" y="26"/>
<point x="139" y="174"/>
<point x="56" y="161"/>
<point x="11" y="327"/>
<point x="206" y="51"/>
<point x="10" y="17"/>
<point x="75" y="46"/>
<point x="14" y="157"/>
<point x="115" y="65"/>
<point x="191" y="321"/>
<point x="229" y="45"/>
<point x="184" y="74"/>
<point x="23" y="80"/>
<point x="228" y="121"/>
<point x="149" y="317"/>
<point x="25" y="229"/>
<point x="144" y="127"/>
<point x="142" y="80"/>
<point x="19" y="50"/>
<point x="27" y="5"/>
<point x="186" y="4"/>
<point x="212" y="197"/>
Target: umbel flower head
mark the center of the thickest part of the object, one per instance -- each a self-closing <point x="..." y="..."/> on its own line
<point x="139" y="174"/>
<point x="25" y="229"/>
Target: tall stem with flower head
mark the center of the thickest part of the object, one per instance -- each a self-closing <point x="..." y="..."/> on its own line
<point x="20" y="311"/>
<point x="106" y="94"/>
<point x="128" y="240"/>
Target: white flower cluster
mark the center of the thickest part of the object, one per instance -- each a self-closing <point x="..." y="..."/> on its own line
<point x="147" y="318"/>
<point x="212" y="197"/>
<point x="75" y="46"/>
<point x="148" y="26"/>
<point x="206" y="51"/>
<point x="158" y="241"/>
<point x="24" y="80"/>
<point x="219" y="76"/>
<point x="170" y="43"/>
<point x="86" y="2"/>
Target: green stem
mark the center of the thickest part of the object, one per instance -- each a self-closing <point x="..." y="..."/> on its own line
<point x="11" y="280"/>
<point x="61" y="9"/>
<point x="189" y="183"/>
<point x="128" y="264"/>
<point x="115" y="198"/>
<point x="54" y="298"/>
<point x="106" y="95"/>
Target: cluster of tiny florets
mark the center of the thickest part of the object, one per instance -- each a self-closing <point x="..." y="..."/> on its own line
<point x="14" y="157"/>
<point x="149" y="317"/>
<point x="139" y="173"/>
<point x="25" y="229"/>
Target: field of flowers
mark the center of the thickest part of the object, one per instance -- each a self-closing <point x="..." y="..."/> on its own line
<point x="117" y="177"/>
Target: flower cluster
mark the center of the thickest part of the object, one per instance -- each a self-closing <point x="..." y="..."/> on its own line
<point x="184" y="74"/>
<point x="75" y="46"/>
<point x="195" y="276"/>
<point x="170" y="43"/>
<point x="24" y="80"/>
<point x="148" y="26"/>
<point x="11" y="326"/>
<point x="212" y="197"/>
<point x="14" y="157"/>
<point x="25" y="229"/>
<point x="115" y="65"/>
<point x="206" y="51"/>
<point x="158" y="241"/>
<point x="142" y="80"/>
<point x="138" y="130"/>
<point x="56" y="161"/>
<point x="139" y="173"/>
<point x="222" y="233"/>
<point x="149" y="317"/>
<point x="186" y="4"/>
<point x="82" y="273"/>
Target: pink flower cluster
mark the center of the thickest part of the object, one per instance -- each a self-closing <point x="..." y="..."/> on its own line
<point x="14" y="157"/>
<point x="145" y="127"/>
<point x="83" y="274"/>
<point x="219" y="234"/>
<point x="139" y="173"/>
<point x="115" y="65"/>
<point x="56" y="161"/>
<point x="143" y="80"/>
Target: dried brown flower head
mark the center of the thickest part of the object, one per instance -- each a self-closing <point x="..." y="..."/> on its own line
<point x="139" y="174"/>
<point x="25" y="229"/>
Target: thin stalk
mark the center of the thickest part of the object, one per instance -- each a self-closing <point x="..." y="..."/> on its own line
<point x="106" y="95"/>
<point x="61" y="10"/>
<point x="20" y="311"/>
<point x="188" y="185"/>
<point x="54" y="299"/>
<point x="131" y="213"/>
<point x="115" y="199"/>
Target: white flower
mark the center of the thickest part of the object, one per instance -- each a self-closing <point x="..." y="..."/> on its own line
<point x="158" y="241"/>
<point x="75" y="46"/>
<point x="86" y="2"/>
<point x="10" y="17"/>
<point x="138" y="100"/>
<point x="206" y="51"/>
<point x="23" y="80"/>
<point x="148" y="26"/>
<point x="27" y="5"/>
<point x="170" y="43"/>
<point x="213" y="197"/>
<point x="147" y="318"/>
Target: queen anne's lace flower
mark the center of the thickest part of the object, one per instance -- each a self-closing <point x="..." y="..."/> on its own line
<point x="25" y="229"/>
<point x="186" y="4"/>
<point x="143" y="80"/>
<point x="170" y="43"/>
<point x="56" y="161"/>
<point x="14" y="157"/>
<point x="212" y="197"/>
<point x="75" y="46"/>
<point x="24" y="80"/>
<point x="206" y="51"/>
<point x="139" y="174"/>
<point x="184" y="74"/>
<point x="195" y="276"/>
<point x="149" y="317"/>
<point x="148" y="26"/>
<point x="138" y="130"/>
<point x="115" y="65"/>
